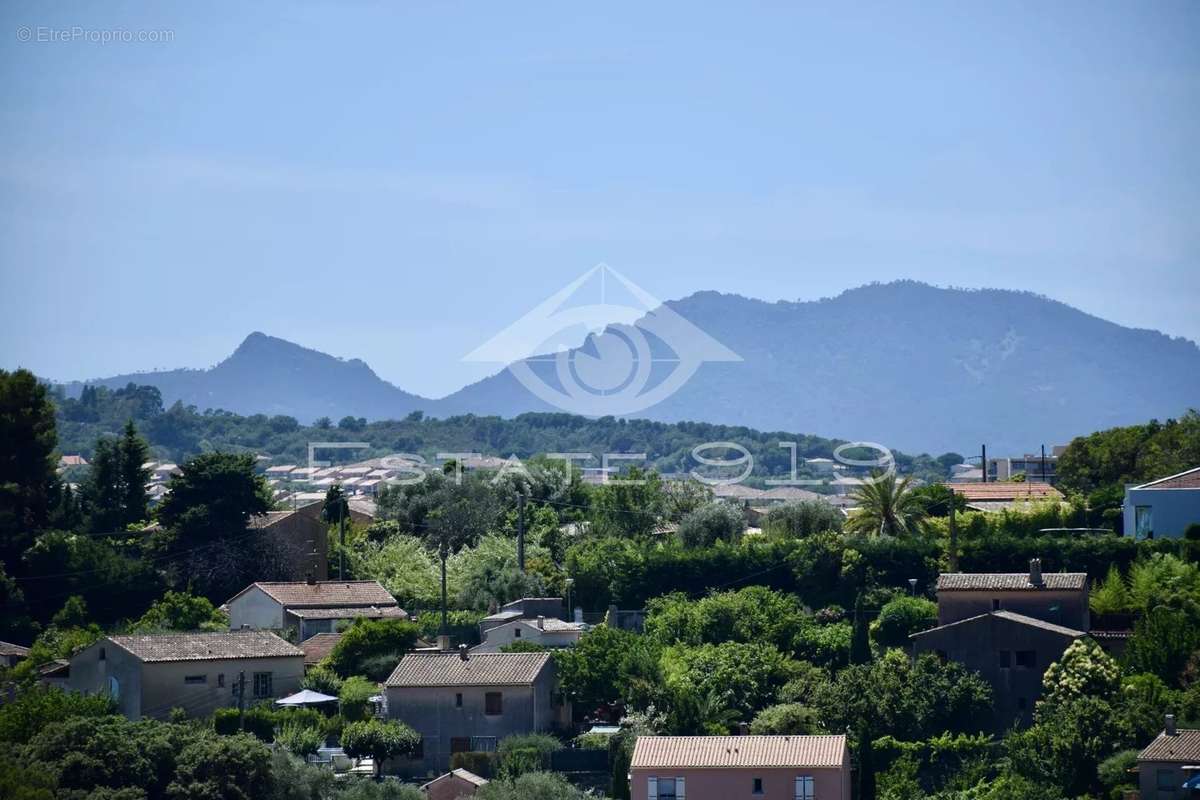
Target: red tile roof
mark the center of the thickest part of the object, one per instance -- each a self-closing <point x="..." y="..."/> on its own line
<point x="318" y="646"/>
<point x="1189" y="479"/>
<point x="653" y="752"/>
<point x="1005" y="490"/>
<point x="481" y="669"/>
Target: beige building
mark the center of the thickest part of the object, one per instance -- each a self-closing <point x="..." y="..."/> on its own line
<point x="723" y="767"/>
<point x="1057" y="597"/>
<point x="148" y="675"/>
<point x="1169" y="762"/>
<point x="545" y="631"/>
<point x="309" y="607"/>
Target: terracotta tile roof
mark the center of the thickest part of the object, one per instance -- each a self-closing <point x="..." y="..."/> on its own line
<point x="1189" y="479"/>
<point x="652" y="752"/>
<point x="461" y="774"/>
<point x="10" y="649"/>
<point x="318" y="646"/>
<point x="300" y="594"/>
<point x="350" y="612"/>
<point x="205" y="646"/>
<point x="1009" y="581"/>
<point x="1185" y="746"/>
<point x="1006" y="490"/>
<point x="481" y="669"/>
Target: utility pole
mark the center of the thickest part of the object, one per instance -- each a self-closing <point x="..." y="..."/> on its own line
<point x="983" y="461"/>
<point x="342" y="537"/>
<point x="521" y="532"/>
<point x="241" y="693"/>
<point x="1043" y="463"/>
<point x="445" y="614"/>
<point x="953" y="533"/>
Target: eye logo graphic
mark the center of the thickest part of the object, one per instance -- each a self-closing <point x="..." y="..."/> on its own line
<point x="635" y="353"/>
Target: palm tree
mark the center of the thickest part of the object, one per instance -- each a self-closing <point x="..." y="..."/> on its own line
<point x="886" y="506"/>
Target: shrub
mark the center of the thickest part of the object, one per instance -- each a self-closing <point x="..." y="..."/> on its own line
<point x="299" y="739"/>
<point x="355" y="696"/>
<point x="368" y="639"/>
<point x="711" y="523"/>
<point x="322" y="679"/>
<point x="901" y="617"/>
<point x="800" y="519"/>
<point x="526" y="753"/>
<point x="37" y="707"/>
<point x="531" y="786"/>
<point x="482" y="764"/>
<point x="786" y="718"/>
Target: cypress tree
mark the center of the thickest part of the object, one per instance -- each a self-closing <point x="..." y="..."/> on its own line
<point x="860" y="643"/>
<point x="132" y="454"/>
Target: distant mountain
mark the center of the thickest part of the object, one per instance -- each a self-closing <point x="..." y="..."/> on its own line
<point x="905" y="364"/>
<point x="914" y="367"/>
<point x="266" y="375"/>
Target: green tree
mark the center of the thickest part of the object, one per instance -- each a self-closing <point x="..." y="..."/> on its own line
<point x="785" y="719"/>
<point x="354" y="697"/>
<point x="531" y="786"/>
<point x="102" y="490"/>
<point x="886" y="506"/>
<point x="27" y="464"/>
<point x="526" y="753"/>
<point x="1083" y="670"/>
<point x="40" y="706"/>
<point x="206" y="517"/>
<point x="712" y="523"/>
<point x="902" y="616"/>
<point x="379" y="740"/>
<point x="133" y="452"/>
<point x="369" y="645"/>
<point x="860" y="642"/>
<point x="630" y="507"/>
<point x="1162" y="641"/>
<point x="228" y="767"/>
<point x="300" y="739"/>
<point x="802" y="518"/>
<point x="180" y="611"/>
<point x="1111" y="595"/>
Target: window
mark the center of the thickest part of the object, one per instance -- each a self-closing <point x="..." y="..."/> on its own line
<point x="493" y="704"/>
<point x="1004" y="659"/>
<point x="458" y="700"/>
<point x="1026" y="659"/>
<point x="1167" y="781"/>
<point x="220" y="680"/>
<point x="1143" y="522"/>
<point x="757" y="786"/>
<point x="195" y="679"/>
<point x="995" y="604"/>
<point x="263" y="685"/>
<point x="460" y="744"/>
<point x="516" y="633"/>
<point x="804" y="788"/>
<point x="103" y="655"/>
<point x="483" y="744"/>
<point x="114" y="688"/>
<point x="666" y="789"/>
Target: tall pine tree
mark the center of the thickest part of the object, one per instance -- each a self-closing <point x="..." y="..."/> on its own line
<point x="133" y="452"/>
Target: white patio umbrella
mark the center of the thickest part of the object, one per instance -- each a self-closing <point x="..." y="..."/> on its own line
<point x="306" y="697"/>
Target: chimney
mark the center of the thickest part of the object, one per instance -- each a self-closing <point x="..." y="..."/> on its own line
<point x="462" y="652"/>
<point x="1035" y="571"/>
<point x="245" y="626"/>
<point x="443" y="643"/>
<point x="311" y="579"/>
<point x="1170" y="727"/>
<point x="743" y="729"/>
<point x="541" y="623"/>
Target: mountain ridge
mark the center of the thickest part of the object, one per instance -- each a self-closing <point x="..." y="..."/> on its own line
<point x="904" y="363"/>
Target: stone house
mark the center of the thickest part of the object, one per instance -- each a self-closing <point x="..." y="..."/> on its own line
<point x="462" y="702"/>
<point x="1169" y="767"/>
<point x="721" y="767"/>
<point x="150" y="674"/>
<point x="309" y="607"/>
<point x="1057" y="597"/>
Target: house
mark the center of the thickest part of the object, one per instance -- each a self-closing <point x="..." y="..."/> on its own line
<point x="67" y="461"/>
<point x="721" y="767"/>
<point x="318" y="647"/>
<point x="546" y="631"/>
<point x="462" y="702"/>
<point x="310" y="607"/>
<point x="1164" y="508"/>
<point x="525" y="608"/>
<point x="1058" y="597"/>
<point x="150" y="674"/>
<point x="12" y="654"/>
<point x="298" y="542"/>
<point x="1034" y="466"/>
<point x="1169" y="768"/>
<point x="454" y="784"/>
<point x="1010" y="651"/>
<point x="1002" y="495"/>
<point x="55" y="674"/>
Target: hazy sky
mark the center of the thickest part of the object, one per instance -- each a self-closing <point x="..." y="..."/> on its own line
<point x="399" y="181"/>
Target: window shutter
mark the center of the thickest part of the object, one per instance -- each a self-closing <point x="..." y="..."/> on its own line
<point x="652" y="789"/>
<point x="680" y="792"/>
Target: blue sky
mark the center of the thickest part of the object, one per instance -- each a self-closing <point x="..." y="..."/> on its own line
<point x="400" y="181"/>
